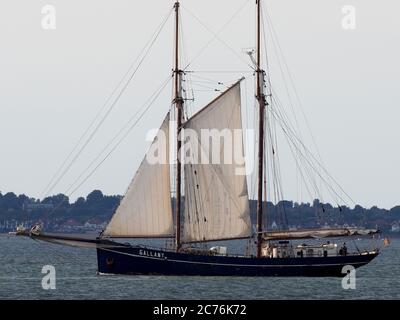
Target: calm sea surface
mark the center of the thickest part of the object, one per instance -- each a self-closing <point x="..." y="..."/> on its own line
<point x="22" y="259"/>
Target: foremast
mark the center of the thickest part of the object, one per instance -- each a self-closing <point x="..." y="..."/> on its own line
<point x="262" y="103"/>
<point x="178" y="101"/>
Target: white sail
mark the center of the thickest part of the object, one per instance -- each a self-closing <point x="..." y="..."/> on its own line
<point x="216" y="197"/>
<point x="145" y="210"/>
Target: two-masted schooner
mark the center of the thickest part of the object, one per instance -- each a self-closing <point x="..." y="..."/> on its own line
<point x="215" y="205"/>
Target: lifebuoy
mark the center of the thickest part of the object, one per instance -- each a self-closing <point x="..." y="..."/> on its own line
<point x="109" y="262"/>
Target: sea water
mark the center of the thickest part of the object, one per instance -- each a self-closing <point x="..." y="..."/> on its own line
<point x="22" y="261"/>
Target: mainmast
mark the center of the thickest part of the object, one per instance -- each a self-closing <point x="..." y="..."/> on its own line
<point x="261" y="102"/>
<point x="178" y="100"/>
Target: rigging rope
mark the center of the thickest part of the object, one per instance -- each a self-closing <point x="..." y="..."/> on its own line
<point x="216" y="34"/>
<point x="62" y="171"/>
<point x="122" y="139"/>
<point x="302" y="156"/>
<point x="127" y="124"/>
<point x="276" y="41"/>
<point x="154" y="98"/>
<point x="308" y="166"/>
<point x="307" y="156"/>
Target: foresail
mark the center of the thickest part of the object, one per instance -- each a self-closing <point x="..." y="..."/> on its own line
<point x="145" y="210"/>
<point x="216" y="197"/>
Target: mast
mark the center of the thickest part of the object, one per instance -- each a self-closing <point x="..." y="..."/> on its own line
<point x="261" y="102"/>
<point x="178" y="106"/>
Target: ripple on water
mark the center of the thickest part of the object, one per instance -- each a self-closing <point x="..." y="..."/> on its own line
<point x="22" y="260"/>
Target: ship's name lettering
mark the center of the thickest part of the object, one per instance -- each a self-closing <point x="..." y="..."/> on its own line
<point x="151" y="254"/>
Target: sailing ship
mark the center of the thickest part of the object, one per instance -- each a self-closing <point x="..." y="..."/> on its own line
<point x="214" y="207"/>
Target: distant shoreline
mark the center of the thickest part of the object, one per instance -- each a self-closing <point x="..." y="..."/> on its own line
<point x="93" y="212"/>
<point x="2" y="234"/>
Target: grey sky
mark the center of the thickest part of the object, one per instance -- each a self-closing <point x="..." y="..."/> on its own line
<point x="54" y="81"/>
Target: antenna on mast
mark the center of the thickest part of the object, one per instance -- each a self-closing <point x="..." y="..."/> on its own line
<point x="250" y="52"/>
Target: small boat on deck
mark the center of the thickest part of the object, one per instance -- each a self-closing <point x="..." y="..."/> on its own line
<point x="19" y="231"/>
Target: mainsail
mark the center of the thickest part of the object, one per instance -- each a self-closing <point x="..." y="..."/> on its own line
<point x="216" y="197"/>
<point x="317" y="233"/>
<point x="145" y="210"/>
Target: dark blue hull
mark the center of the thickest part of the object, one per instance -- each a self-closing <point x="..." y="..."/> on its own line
<point x="135" y="260"/>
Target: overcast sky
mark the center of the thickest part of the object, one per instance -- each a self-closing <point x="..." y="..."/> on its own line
<point x="53" y="82"/>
